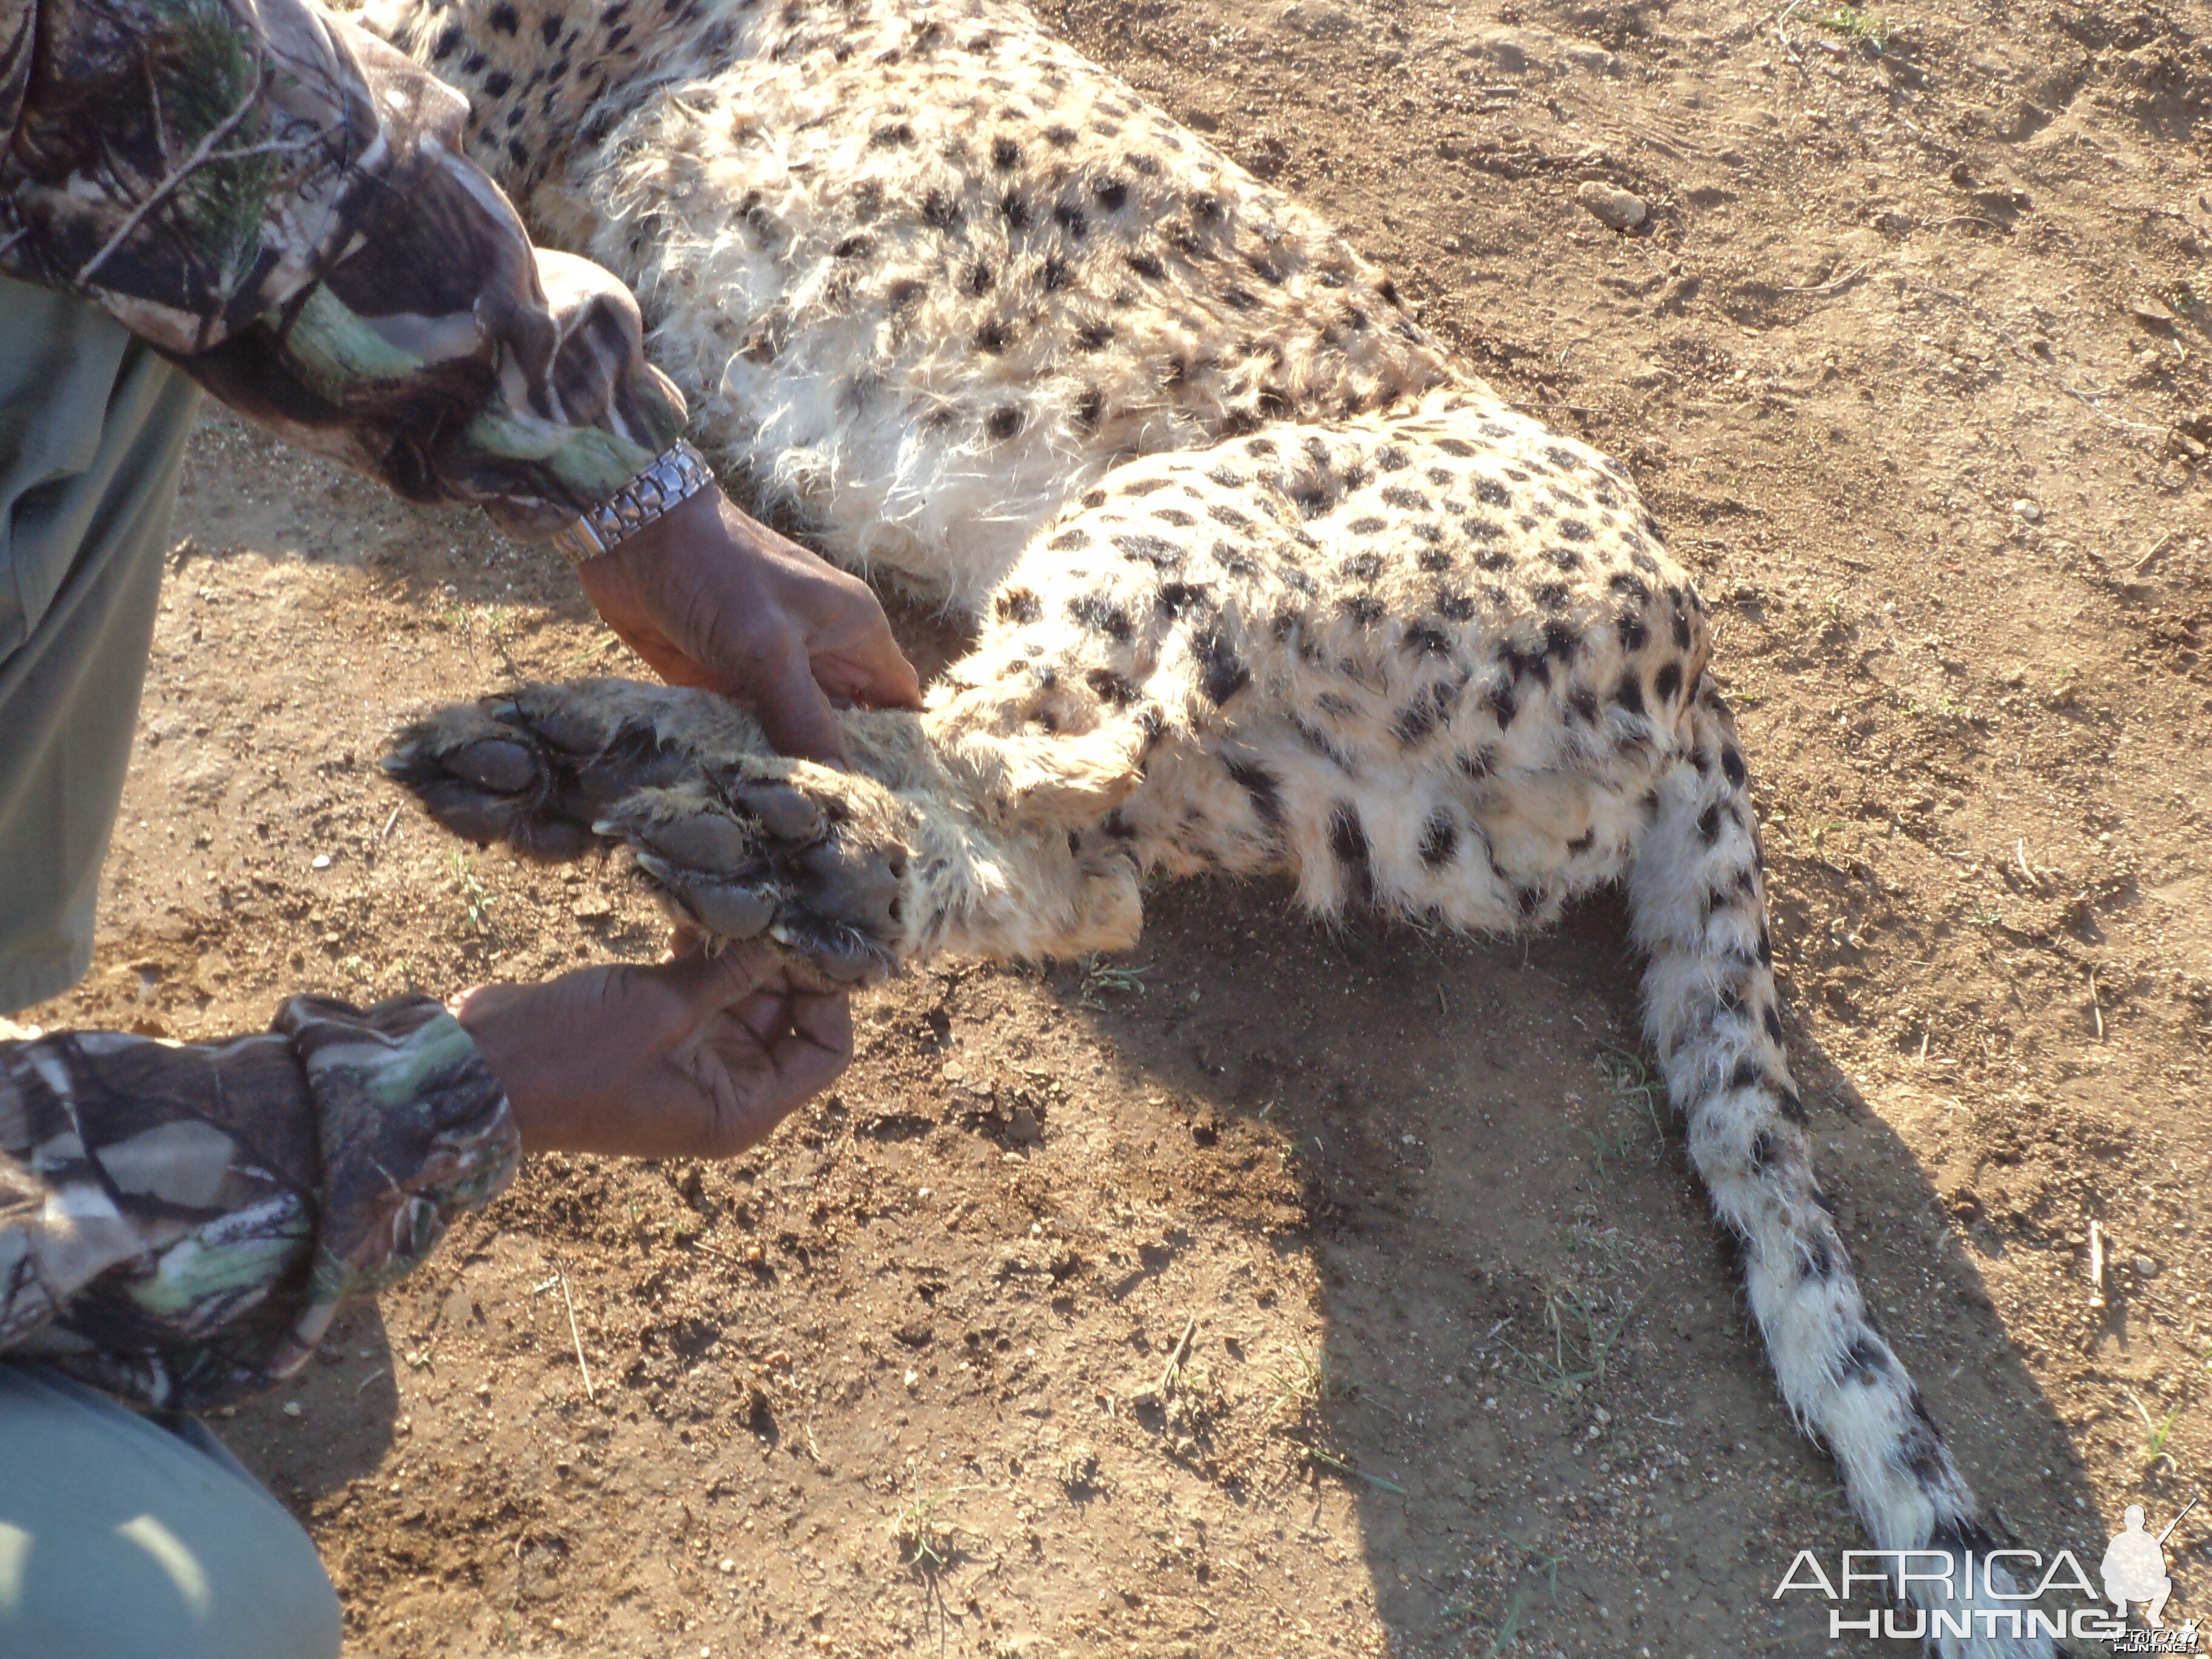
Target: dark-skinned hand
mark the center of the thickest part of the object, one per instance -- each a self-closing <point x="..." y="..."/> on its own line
<point x="699" y="1057"/>
<point x="709" y="597"/>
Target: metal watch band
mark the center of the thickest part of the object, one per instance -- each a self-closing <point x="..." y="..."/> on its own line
<point x="677" y="474"/>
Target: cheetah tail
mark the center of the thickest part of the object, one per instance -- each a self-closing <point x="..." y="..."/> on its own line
<point x="1699" y="914"/>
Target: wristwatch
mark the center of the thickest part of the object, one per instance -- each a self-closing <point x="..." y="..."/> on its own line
<point x="676" y="475"/>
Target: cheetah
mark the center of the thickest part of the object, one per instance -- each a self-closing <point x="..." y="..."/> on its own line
<point x="1261" y="581"/>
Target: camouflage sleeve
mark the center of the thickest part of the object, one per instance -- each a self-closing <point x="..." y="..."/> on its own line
<point x="282" y="204"/>
<point x="180" y="1224"/>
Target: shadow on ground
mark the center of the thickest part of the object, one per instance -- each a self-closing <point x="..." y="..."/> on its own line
<point x="1539" y="1382"/>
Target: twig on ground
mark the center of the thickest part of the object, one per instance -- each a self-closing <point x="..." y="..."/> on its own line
<point x="577" y="1337"/>
<point x="1830" y="285"/>
<point x="1343" y="1468"/>
<point x="2157" y="548"/>
<point x="2096" y="1266"/>
<point x="1172" y="1373"/>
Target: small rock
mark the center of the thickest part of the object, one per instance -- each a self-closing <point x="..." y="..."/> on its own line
<point x="2145" y="1268"/>
<point x="594" y="909"/>
<point x="1317" y="18"/>
<point x="1613" y="207"/>
<point x="321" y="861"/>
<point x="2150" y="313"/>
<point x="726" y="1565"/>
<point x="291" y="1408"/>
<point x="1025" y="1128"/>
<point x="2027" y="510"/>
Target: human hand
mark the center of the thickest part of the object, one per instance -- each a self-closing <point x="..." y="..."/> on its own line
<point x="709" y="597"/>
<point x="698" y="1057"/>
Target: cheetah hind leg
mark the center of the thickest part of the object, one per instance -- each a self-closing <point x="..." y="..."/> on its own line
<point x="734" y="841"/>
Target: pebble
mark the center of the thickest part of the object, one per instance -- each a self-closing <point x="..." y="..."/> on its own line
<point x="2147" y="1268"/>
<point x="1613" y="207"/>
<point x="1026" y="1125"/>
<point x="291" y="1408"/>
<point x="2024" y="508"/>
<point x="321" y="861"/>
<point x="2150" y="313"/>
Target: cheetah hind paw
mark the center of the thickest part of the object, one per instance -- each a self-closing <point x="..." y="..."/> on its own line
<point x="734" y="845"/>
<point x="739" y="856"/>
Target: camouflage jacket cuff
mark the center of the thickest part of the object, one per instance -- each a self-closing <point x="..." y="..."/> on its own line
<point x="180" y="1224"/>
<point x="414" y="1129"/>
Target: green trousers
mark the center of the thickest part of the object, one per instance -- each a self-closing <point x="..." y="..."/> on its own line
<point x="92" y="433"/>
<point x="120" y="1538"/>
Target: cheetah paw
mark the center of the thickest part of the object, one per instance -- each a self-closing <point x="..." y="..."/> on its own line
<point x="734" y="843"/>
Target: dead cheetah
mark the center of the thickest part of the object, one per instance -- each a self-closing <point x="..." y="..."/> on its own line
<point x="1263" y="581"/>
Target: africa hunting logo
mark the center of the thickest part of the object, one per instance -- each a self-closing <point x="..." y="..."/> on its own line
<point x="1987" y="1595"/>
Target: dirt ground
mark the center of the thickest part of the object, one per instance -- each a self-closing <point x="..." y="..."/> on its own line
<point x="1910" y="356"/>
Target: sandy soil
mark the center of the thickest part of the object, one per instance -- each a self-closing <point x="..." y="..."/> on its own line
<point x="1910" y="357"/>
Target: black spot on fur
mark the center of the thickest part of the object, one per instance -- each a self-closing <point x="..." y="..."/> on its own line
<point x="1090" y="409"/>
<point x="1708" y="825"/>
<point x="1225" y="673"/>
<point x="994" y="338"/>
<point x="1772" y="1020"/>
<point x="1439" y="840"/>
<point x="1633" y="634"/>
<point x="1365" y="608"/>
<point x="1561" y="640"/>
<point x="1062" y="136"/>
<point x="1110" y="194"/>
<point x="1747" y="1075"/>
<point x="1101" y="616"/>
<point x="1071" y="219"/>
<point x="1732" y="764"/>
<point x="504" y="19"/>
<point x="1865" y="1362"/>
<point x="517" y="154"/>
<point x="1261" y="785"/>
<point x="1666" y="684"/>
<point x="1418" y="718"/>
<point x="1629" y="694"/>
<point x="1503" y="703"/>
<point x="1820" y="1258"/>
<point x="1681" y="632"/>
<point x="1762" y="1151"/>
<point x="1018" y="605"/>
<point x="1347" y="839"/>
<point x="1491" y="493"/>
<point x="448" y="43"/>
<point x="1152" y="550"/>
<point x="1002" y="421"/>
<point x="941" y="209"/>
<point x="979" y="279"/>
<point x="1111" y="686"/>
<point x="1552" y="596"/>
<point x="1005" y="154"/>
<point x="1792" y="1109"/>
<point x="1014" y="210"/>
<point x="1177" y="597"/>
<point x="498" y="82"/>
<point x="1582" y="706"/>
<point x="1427" y="641"/>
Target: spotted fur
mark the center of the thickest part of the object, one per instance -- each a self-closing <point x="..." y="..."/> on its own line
<point x="1262" y="581"/>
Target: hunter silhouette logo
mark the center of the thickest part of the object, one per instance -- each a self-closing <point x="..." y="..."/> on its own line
<point x="2135" y="1567"/>
<point x="2019" y="1594"/>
